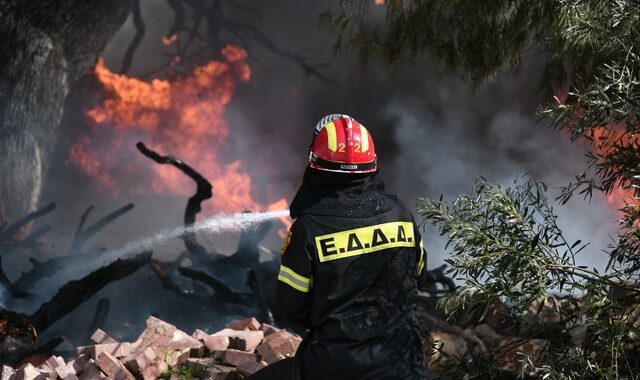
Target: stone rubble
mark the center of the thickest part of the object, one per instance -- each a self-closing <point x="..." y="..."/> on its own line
<point x="235" y="352"/>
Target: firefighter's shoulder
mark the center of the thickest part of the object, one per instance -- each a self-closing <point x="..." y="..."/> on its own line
<point x="296" y="231"/>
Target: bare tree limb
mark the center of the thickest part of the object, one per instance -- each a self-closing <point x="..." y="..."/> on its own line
<point x="254" y="284"/>
<point x="11" y="288"/>
<point x="138" y="23"/>
<point x="10" y="231"/>
<point x="80" y="227"/>
<point x="169" y="284"/>
<point x="43" y="349"/>
<point x="100" y="316"/>
<point x="47" y="268"/>
<point x="77" y="292"/>
<point x="194" y="205"/>
<point x="86" y="234"/>
<point x="223" y="292"/>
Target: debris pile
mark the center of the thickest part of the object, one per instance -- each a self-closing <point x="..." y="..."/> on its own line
<point x="163" y="351"/>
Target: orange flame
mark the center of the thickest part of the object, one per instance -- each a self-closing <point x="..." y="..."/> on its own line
<point x="603" y="138"/>
<point x="184" y="116"/>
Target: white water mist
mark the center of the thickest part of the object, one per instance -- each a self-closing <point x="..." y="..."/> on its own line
<point x="218" y="223"/>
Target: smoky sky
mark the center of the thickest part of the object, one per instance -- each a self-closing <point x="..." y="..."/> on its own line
<point x="434" y="134"/>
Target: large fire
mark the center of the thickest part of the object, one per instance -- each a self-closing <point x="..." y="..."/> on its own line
<point x="603" y="144"/>
<point x="184" y="116"/>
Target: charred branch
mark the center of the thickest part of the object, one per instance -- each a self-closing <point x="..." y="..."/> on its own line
<point x="100" y="315"/>
<point x="42" y="350"/>
<point x="47" y="268"/>
<point x="430" y="279"/>
<point x="194" y="205"/>
<point x="223" y="292"/>
<point x="247" y="254"/>
<point x="11" y="288"/>
<point x="178" y="14"/>
<point x="82" y="235"/>
<point x="168" y="283"/>
<point x="211" y="14"/>
<point x="77" y="292"/>
<point x="254" y="285"/>
<point x="10" y="232"/>
<point x="138" y="23"/>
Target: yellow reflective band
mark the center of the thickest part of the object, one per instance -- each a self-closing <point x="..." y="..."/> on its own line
<point x="364" y="240"/>
<point x="421" y="261"/>
<point x="332" y="139"/>
<point x="364" y="139"/>
<point x="294" y="280"/>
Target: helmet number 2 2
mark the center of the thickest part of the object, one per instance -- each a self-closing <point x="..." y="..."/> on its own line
<point x="341" y="147"/>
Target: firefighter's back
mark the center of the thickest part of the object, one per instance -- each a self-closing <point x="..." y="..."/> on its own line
<point x="364" y="292"/>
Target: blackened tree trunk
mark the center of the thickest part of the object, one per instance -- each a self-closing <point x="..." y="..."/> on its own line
<point x="46" y="46"/>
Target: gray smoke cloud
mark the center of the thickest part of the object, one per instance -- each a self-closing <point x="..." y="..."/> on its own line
<point x="438" y="156"/>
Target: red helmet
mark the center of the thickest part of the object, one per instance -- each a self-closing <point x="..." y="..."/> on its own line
<point x="343" y="145"/>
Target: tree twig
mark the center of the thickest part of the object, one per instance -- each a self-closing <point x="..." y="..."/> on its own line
<point x="138" y="23"/>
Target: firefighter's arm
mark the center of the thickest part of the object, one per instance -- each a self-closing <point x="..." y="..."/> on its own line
<point x="295" y="278"/>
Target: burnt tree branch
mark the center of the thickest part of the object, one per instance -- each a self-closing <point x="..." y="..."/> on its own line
<point x="223" y="292"/>
<point x="47" y="268"/>
<point x="141" y="29"/>
<point x="82" y="235"/>
<point x="13" y="229"/>
<point x="77" y="292"/>
<point x="194" y="205"/>
<point x="169" y="284"/>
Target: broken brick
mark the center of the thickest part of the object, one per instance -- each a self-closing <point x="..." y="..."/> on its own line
<point x="8" y="373"/>
<point x="54" y="361"/>
<point x="153" y="371"/>
<point x="200" y="335"/>
<point x="138" y="362"/>
<point x="110" y="365"/>
<point x="79" y="362"/>
<point x="101" y="337"/>
<point x="216" y="343"/>
<point x="119" y="350"/>
<point x="222" y="372"/>
<point x="237" y="357"/>
<point x="64" y="371"/>
<point x="29" y="372"/>
<point x="248" y="368"/>
<point x="249" y="324"/>
<point x="91" y="371"/>
<point x="242" y="340"/>
<point x="177" y="348"/>
<point x="155" y="330"/>
<point x="282" y="345"/>
<point x="193" y="363"/>
<point x="267" y="329"/>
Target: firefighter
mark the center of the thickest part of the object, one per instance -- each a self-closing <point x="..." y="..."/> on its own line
<point x="349" y="267"/>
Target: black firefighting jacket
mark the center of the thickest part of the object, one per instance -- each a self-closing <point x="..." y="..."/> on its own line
<point x="349" y="273"/>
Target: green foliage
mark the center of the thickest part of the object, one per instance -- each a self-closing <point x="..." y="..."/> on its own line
<point x="506" y="245"/>
<point x="602" y="106"/>
<point x="183" y="372"/>
<point x="476" y="39"/>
